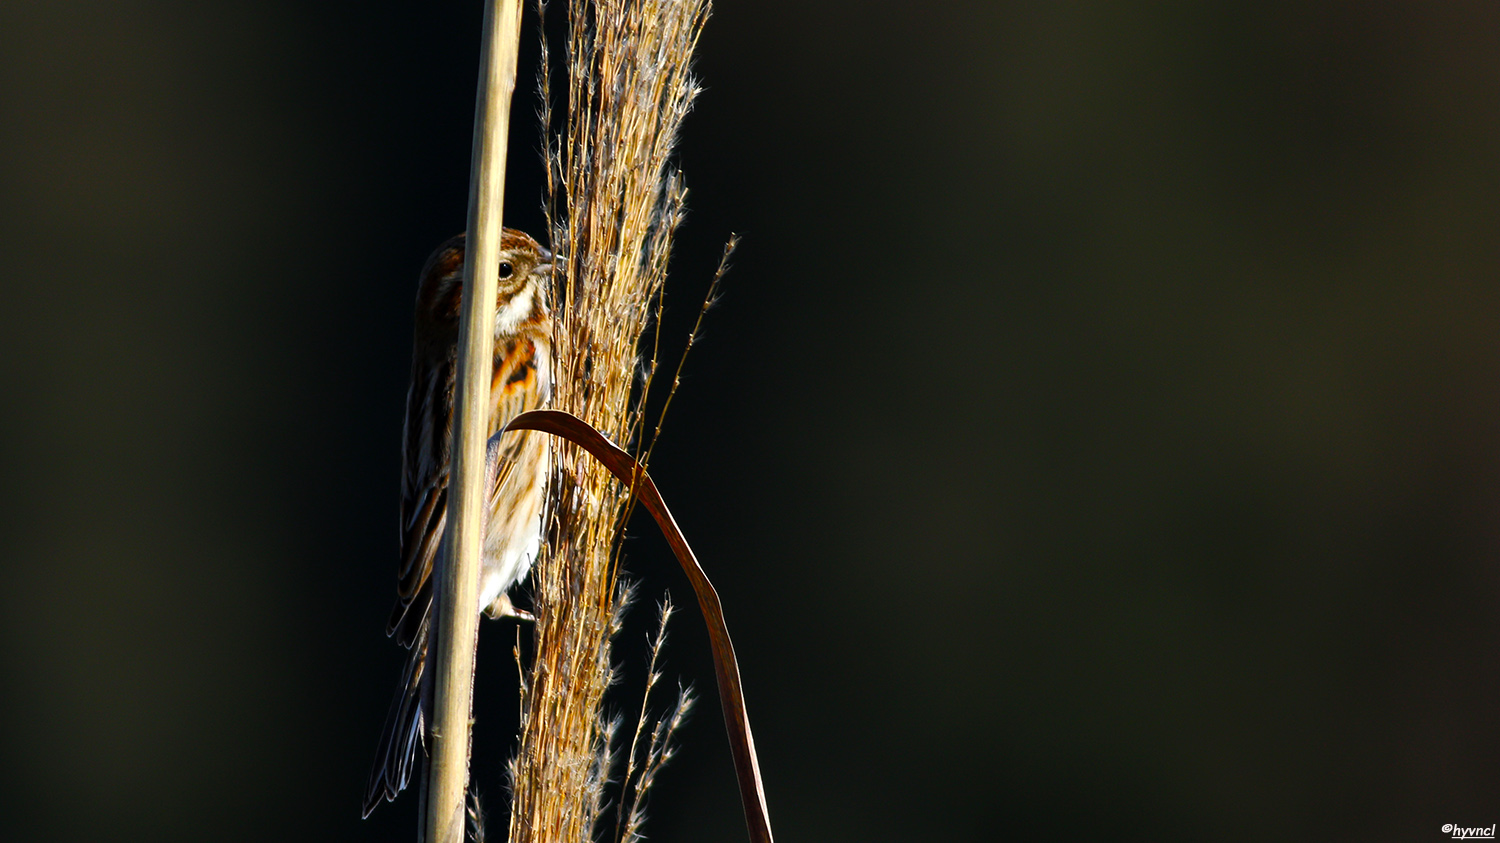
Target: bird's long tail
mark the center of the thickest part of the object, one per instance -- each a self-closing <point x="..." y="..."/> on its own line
<point x="396" y="754"/>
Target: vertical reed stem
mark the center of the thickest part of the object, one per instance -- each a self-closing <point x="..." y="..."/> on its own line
<point x="458" y="594"/>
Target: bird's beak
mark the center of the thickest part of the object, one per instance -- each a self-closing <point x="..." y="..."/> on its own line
<point x="549" y="261"/>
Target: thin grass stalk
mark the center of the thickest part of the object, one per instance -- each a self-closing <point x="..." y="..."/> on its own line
<point x="614" y="204"/>
<point x="663" y="614"/>
<point x="458" y="592"/>
<point x="630" y="810"/>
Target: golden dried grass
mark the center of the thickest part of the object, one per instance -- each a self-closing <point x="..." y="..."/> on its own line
<point x="614" y="204"/>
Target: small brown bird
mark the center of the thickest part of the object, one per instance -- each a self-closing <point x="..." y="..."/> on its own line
<point x="518" y="461"/>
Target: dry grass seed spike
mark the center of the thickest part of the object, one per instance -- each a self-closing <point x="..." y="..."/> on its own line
<point x="614" y="206"/>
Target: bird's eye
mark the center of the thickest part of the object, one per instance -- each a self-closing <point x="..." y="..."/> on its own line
<point x="506" y="270"/>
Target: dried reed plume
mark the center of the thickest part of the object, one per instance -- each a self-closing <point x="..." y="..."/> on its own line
<point x="630" y="812"/>
<point x="614" y="204"/>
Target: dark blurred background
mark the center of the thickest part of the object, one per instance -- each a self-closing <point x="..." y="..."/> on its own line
<point x="1097" y="437"/>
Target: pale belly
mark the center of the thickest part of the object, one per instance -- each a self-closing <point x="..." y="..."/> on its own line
<point x="514" y="532"/>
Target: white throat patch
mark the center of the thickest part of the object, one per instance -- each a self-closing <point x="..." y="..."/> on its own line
<point x="510" y="315"/>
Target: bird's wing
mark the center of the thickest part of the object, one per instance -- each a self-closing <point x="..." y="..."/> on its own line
<point x="520" y="383"/>
<point x="424" y="494"/>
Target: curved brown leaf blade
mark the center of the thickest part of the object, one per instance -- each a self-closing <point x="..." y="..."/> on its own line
<point x="727" y="669"/>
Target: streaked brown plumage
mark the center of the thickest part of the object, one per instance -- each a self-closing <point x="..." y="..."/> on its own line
<point x="521" y="381"/>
